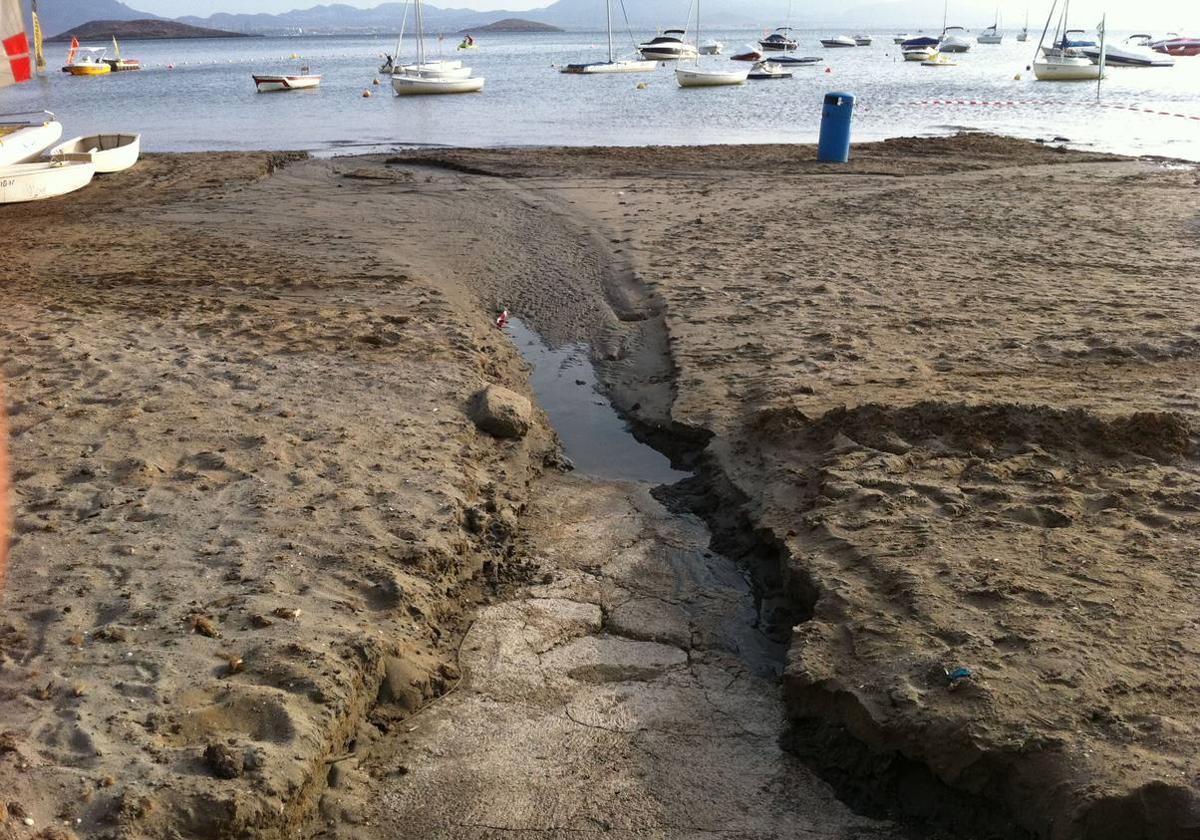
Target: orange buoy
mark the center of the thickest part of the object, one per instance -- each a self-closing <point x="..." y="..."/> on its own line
<point x="366" y="94"/>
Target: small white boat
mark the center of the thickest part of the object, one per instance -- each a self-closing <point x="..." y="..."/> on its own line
<point x="863" y="40"/>
<point x="1132" y="53"/>
<point x="703" y="77"/>
<point x="769" y="70"/>
<point x="27" y="139"/>
<point x="405" y="85"/>
<point x="839" y="41"/>
<point x="1023" y="35"/>
<point x="45" y="179"/>
<point x="270" y="82"/>
<point x="780" y="40"/>
<point x="922" y="54"/>
<point x="429" y="72"/>
<point x="1066" y="68"/>
<point x="990" y="36"/>
<point x="711" y="48"/>
<point x="108" y="152"/>
<point x="900" y="39"/>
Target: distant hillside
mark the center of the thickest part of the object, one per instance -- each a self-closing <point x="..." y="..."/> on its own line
<point x="513" y="25"/>
<point x="143" y="30"/>
<point x="61" y="15"/>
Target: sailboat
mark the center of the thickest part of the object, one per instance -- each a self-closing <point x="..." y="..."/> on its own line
<point x="1065" y="63"/>
<point x="1024" y="33"/>
<point x="118" y="64"/>
<point x="424" y="78"/>
<point x="625" y="65"/>
<point x="702" y="77"/>
<point x="992" y="34"/>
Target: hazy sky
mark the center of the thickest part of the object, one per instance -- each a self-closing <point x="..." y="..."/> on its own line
<point x="1182" y="14"/>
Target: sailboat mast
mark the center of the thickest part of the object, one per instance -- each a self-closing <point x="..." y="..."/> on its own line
<point x="608" y="18"/>
<point x="420" y="38"/>
<point x="400" y="37"/>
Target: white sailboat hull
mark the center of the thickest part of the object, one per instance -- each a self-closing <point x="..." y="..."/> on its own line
<point x="35" y="181"/>
<point x="424" y="86"/>
<point x="109" y="152"/>
<point x="26" y="142"/>
<point x="695" y="77"/>
<point x="1066" y="69"/>
<point x="628" y="66"/>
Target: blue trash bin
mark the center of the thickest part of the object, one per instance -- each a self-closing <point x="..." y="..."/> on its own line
<point x="834" y="145"/>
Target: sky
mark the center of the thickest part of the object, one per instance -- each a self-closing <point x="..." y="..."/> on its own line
<point x="1175" y="14"/>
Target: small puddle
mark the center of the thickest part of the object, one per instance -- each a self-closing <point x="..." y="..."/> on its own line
<point x="593" y="435"/>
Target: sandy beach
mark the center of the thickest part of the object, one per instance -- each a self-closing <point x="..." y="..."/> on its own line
<point x="940" y="405"/>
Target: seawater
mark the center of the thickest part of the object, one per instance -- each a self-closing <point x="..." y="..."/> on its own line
<point x="207" y="101"/>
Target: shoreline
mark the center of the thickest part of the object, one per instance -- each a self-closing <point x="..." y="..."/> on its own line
<point x="686" y="322"/>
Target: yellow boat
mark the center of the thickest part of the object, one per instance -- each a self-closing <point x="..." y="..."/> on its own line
<point x="87" y="61"/>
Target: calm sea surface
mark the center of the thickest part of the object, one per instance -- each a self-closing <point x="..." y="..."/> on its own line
<point x="207" y="100"/>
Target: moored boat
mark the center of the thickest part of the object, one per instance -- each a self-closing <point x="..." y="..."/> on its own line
<point x="1129" y="54"/>
<point x="769" y="70"/>
<point x="24" y="140"/>
<point x="711" y="47"/>
<point x="793" y="60"/>
<point x="1176" y="45"/>
<point x="86" y="61"/>
<point x="780" y="40"/>
<point x="954" y="40"/>
<point x="838" y="42"/>
<point x="748" y="53"/>
<point x="44" y="179"/>
<point x="108" y="152"/>
<point x="1063" y="63"/>
<point x="405" y="85"/>
<point x="613" y="65"/>
<point x="863" y="40"/>
<point x="119" y="64"/>
<point x="706" y="77"/>
<point x="267" y="82"/>
<point x="668" y="46"/>
<point x="921" y="48"/>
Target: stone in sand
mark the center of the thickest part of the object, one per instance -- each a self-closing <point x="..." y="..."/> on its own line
<point x="501" y="412"/>
<point x="404" y="684"/>
<point x="224" y="761"/>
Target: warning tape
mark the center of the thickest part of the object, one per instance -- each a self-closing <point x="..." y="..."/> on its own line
<point x="1049" y="102"/>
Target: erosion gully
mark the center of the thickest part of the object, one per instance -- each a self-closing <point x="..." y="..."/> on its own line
<point x="630" y="689"/>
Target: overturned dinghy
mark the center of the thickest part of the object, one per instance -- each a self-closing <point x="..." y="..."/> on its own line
<point x="24" y="140"/>
<point x="109" y="152"/>
<point x="46" y="179"/>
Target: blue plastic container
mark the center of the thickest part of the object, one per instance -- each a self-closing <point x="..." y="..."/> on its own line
<point x="834" y="145"/>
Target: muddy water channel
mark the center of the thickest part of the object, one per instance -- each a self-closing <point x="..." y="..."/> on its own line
<point x="629" y="694"/>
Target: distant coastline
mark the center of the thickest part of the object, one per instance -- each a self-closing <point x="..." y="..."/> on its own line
<point x="513" y="25"/>
<point x="141" y="30"/>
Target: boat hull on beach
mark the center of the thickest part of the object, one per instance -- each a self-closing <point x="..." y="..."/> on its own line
<point x="20" y="142"/>
<point x="46" y="179"/>
<point x="109" y="152"/>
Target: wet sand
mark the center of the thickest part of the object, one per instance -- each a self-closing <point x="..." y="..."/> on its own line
<point x="943" y="399"/>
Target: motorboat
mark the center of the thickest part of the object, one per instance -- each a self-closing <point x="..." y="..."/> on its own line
<point x="900" y="39"/>
<point x="711" y="48"/>
<point x="43" y="179"/>
<point x="1129" y="54"/>
<point x="406" y="85"/>
<point x="612" y="65"/>
<point x="921" y="48"/>
<point x="432" y="78"/>
<point x="268" y="82"/>
<point x="747" y="54"/>
<point x="108" y="152"/>
<point x="1065" y="63"/>
<point x="24" y="140"/>
<point x="706" y="77"/>
<point x="838" y="42"/>
<point x="1176" y="45"/>
<point x="780" y="40"/>
<point x="669" y="46"/>
<point x="793" y="60"/>
<point x="939" y="60"/>
<point x="87" y="61"/>
<point x="863" y="40"/>
<point x="954" y="40"/>
<point x="119" y="64"/>
<point x="769" y="70"/>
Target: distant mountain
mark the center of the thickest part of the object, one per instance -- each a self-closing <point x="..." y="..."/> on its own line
<point x="60" y="15"/>
<point x="512" y="25"/>
<point x="143" y="30"/>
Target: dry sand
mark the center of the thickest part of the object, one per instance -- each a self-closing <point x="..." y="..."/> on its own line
<point x="944" y="397"/>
